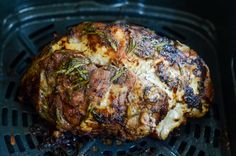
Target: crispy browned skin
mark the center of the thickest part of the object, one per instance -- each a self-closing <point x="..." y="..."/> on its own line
<point x="121" y="80"/>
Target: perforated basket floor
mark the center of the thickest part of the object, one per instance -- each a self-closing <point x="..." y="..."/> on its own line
<point x="27" y="31"/>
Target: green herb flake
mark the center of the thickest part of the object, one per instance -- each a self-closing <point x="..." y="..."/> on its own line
<point x="61" y="71"/>
<point x="118" y="74"/>
<point x="92" y="30"/>
<point x="75" y="68"/>
<point x="60" y="119"/>
<point x="180" y="69"/>
<point x="91" y="108"/>
<point x="113" y="45"/>
<point x="144" y="38"/>
<point x="89" y="30"/>
<point x="132" y="45"/>
<point x="160" y="46"/>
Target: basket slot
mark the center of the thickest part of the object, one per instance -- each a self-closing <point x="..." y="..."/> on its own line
<point x="216" y="138"/>
<point x="188" y="128"/>
<point x="107" y="153"/>
<point x="29" y="141"/>
<point x="25" y="119"/>
<point x="191" y="151"/>
<point x="207" y="115"/>
<point x="21" y="68"/>
<point x="152" y="150"/>
<point x="19" y="143"/>
<point x="135" y="149"/>
<point x="143" y="143"/>
<point x="197" y="131"/>
<point x="182" y="147"/>
<point x="14" y="117"/>
<point x="16" y="99"/>
<point x="17" y="59"/>
<point x="207" y="134"/>
<point x="9" y="90"/>
<point x="4" y="116"/>
<point x="121" y="153"/>
<point x="39" y="139"/>
<point x="172" y="141"/>
<point x="10" y="148"/>
<point x="201" y="153"/>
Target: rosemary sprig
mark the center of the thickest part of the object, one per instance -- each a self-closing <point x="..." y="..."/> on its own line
<point x="89" y="29"/>
<point x="132" y="45"/>
<point x="112" y="43"/>
<point x="180" y="69"/>
<point x="103" y="35"/>
<point x="60" y="119"/>
<point x="119" y="73"/>
<point x="160" y="46"/>
<point x="75" y="68"/>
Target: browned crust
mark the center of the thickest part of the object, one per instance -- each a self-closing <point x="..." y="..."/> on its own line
<point x="123" y="42"/>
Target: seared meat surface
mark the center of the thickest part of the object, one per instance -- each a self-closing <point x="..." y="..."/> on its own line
<point x="121" y="80"/>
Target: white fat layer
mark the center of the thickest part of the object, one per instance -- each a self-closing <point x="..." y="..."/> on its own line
<point x="105" y="100"/>
<point x="146" y="73"/>
<point x="194" y="84"/>
<point x="116" y="91"/>
<point x="98" y="57"/>
<point x="173" y="119"/>
<point x="80" y="45"/>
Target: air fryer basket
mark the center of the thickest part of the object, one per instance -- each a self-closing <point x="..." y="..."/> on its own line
<point x="27" y="31"/>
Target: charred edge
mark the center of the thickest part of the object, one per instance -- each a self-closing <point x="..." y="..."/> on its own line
<point x="160" y="72"/>
<point x="170" y="53"/>
<point x="165" y="78"/>
<point x="144" y="46"/>
<point x="200" y="71"/>
<point x="163" y="109"/>
<point x="192" y="100"/>
<point x="108" y="119"/>
<point x="104" y="34"/>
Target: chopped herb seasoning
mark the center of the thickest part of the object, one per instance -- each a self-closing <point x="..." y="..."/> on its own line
<point x="132" y="45"/>
<point x="160" y="46"/>
<point x="89" y="30"/>
<point x="118" y="74"/>
<point x="180" y="69"/>
<point x="144" y="38"/>
<point x="60" y="119"/>
<point x="113" y="45"/>
<point x="76" y="68"/>
<point x="100" y="33"/>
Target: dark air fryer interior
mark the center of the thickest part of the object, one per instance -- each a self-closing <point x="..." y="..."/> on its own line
<point x="29" y="25"/>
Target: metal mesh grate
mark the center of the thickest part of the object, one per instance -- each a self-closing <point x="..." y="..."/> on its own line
<point x="29" y="30"/>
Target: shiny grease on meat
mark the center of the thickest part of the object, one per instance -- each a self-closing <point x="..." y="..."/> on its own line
<point x="114" y="79"/>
